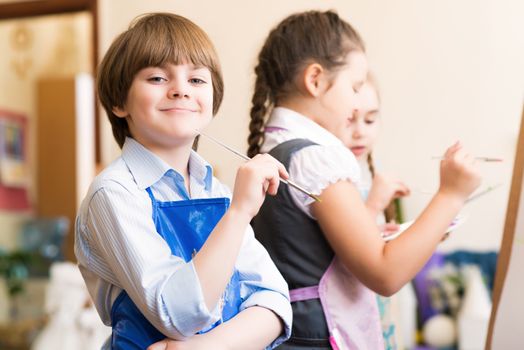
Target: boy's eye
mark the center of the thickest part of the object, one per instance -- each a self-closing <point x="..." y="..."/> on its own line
<point x="196" y="81"/>
<point x="157" y="79"/>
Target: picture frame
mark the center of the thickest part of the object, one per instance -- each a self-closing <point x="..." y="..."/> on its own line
<point x="14" y="168"/>
<point x="13" y="154"/>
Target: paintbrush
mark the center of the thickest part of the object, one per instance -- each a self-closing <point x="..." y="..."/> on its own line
<point x="244" y="157"/>
<point x="481" y="193"/>
<point x="482" y="159"/>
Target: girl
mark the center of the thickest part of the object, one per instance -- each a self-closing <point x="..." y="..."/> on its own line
<point x="330" y="251"/>
<point x="363" y="130"/>
<point x="162" y="248"/>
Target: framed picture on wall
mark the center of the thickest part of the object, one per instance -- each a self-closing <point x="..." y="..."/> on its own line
<point x="14" y="172"/>
<point x="13" y="163"/>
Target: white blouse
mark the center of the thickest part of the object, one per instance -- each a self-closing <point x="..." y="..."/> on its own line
<point x="314" y="167"/>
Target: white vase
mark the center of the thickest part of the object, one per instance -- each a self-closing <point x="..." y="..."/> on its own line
<point x="473" y="316"/>
<point x="407" y="317"/>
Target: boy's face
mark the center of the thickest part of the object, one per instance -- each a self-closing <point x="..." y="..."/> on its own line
<point x="165" y="105"/>
<point x="363" y="127"/>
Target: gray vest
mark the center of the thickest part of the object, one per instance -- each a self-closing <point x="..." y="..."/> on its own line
<point x="299" y="249"/>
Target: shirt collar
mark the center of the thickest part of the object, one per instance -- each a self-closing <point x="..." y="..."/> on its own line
<point x="147" y="168"/>
<point x="200" y="170"/>
<point x="301" y="126"/>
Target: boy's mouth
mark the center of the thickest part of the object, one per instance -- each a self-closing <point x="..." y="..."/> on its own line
<point x="178" y="109"/>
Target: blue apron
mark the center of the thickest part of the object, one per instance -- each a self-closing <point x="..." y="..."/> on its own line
<point x="185" y="226"/>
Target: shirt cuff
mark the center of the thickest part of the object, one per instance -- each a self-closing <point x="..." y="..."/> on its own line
<point x="184" y="303"/>
<point x="279" y="304"/>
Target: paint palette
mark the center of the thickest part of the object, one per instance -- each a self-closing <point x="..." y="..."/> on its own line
<point x="459" y="220"/>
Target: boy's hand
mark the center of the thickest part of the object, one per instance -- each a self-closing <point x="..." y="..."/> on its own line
<point x="254" y="179"/>
<point x="196" y="342"/>
<point x="161" y="345"/>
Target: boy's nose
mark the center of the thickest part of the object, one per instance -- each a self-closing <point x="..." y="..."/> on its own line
<point x="178" y="90"/>
<point x="177" y="93"/>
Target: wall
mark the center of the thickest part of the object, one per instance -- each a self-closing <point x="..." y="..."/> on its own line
<point x="452" y="70"/>
<point x="52" y="46"/>
<point x="448" y="70"/>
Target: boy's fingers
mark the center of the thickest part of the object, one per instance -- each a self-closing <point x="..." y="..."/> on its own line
<point x="272" y="170"/>
<point x="265" y="186"/>
<point x="281" y="168"/>
<point x="161" y="345"/>
<point x="274" y="182"/>
<point x="282" y="171"/>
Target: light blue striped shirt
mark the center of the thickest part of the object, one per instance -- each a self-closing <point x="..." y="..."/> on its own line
<point x="118" y="247"/>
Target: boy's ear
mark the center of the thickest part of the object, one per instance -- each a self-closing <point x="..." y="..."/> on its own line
<point x="314" y="76"/>
<point x="120" y="112"/>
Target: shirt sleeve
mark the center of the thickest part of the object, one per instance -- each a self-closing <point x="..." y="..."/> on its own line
<point x="261" y="284"/>
<point x="128" y="252"/>
<point x="316" y="167"/>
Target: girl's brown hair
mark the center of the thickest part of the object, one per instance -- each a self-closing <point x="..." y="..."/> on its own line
<point x="299" y="40"/>
<point x="153" y="40"/>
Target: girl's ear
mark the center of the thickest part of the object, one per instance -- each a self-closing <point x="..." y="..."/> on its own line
<point x="120" y="112"/>
<point x="314" y="79"/>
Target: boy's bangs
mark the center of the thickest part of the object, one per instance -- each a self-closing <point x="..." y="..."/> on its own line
<point x="177" y="46"/>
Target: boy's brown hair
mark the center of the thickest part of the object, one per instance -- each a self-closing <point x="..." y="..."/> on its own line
<point x="153" y="40"/>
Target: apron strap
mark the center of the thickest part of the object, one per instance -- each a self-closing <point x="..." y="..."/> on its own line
<point x="306" y="293"/>
<point x="150" y="193"/>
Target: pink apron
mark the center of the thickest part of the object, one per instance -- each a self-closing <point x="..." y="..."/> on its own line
<point x="349" y="307"/>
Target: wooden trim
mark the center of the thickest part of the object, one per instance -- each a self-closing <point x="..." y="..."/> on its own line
<point x="509" y="231"/>
<point x="14" y="10"/>
<point x="94" y="26"/>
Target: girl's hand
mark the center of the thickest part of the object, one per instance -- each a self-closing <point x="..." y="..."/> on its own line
<point x="383" y="191"/>
<point x="389" y="228"/>
<point x="458" y="175"/>
<point x="254" y="179"/>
